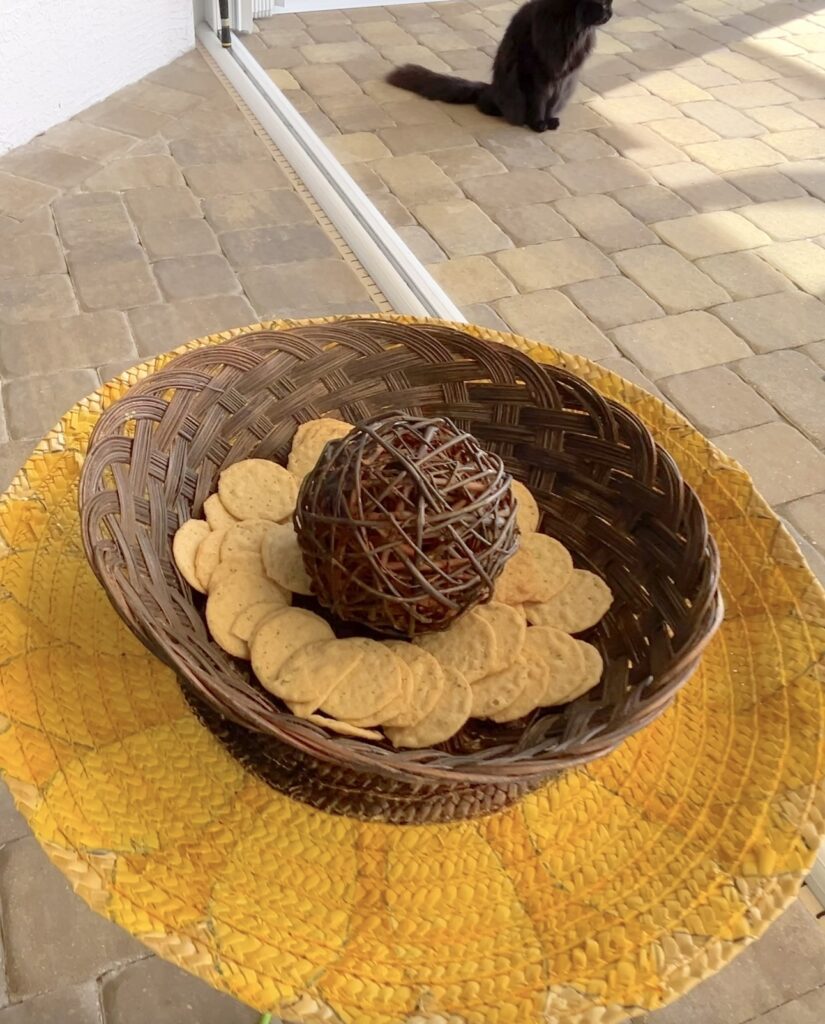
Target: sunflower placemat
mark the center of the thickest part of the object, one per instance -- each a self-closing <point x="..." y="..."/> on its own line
<point x="608" y="892"/>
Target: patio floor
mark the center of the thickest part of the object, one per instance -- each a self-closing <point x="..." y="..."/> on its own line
<point x="674" y="230"/>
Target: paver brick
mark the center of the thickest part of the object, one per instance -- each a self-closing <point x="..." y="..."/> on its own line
<point x="794" y="385"/>
<point x="359" y="147"/>
<point x="784" y="464"/>
<point x="723" y="120"/>
<point x="234" y="177"/>
<point x="677" y="344"/>
<point x="76" y="1004"/>
<point x="126" y="118"/>
<point x="31" y="256"/>
<point x="519" y="188"/>
<point x="640" y="145"/>
<point x="765" y="184"/>
<point x="156" y="991"/>
<point x="683" y="131"/>
<point x="588" y="177"/>
<point x="634" y="109"/>
<point x="64" y="342"/>
<point x="189" y="277"/>
<point x="36" y="298"/>
<point x="423" y="138"/>
<point x="422" y="246"/>
<point x="789" y="219"/>
<point x="96" y="219"/>
<point x="676" y="284"/>
<point x="780" y="119"/>
<point x="651" y="203"/>
<point x="550" y="317"/>
<point x="310" y="288"/>
<point x="743" y="274"/>
<point x="168" y="204"/>
<point x="716" y="400"/>
<point x="416" y="179"/>
<point x="472" y="279"/>
<point x="699" y="186"/>
<point x="326" y="80"/>
<point x="613" y="302"/>
<point x="461" y="228"/>
<point x="111" y="278"/>
<point x="355" y="113"/>
<point x="49" y="166"/>
<point x="468" y="162"/>
<point x="87" y="140"/>
<point x="20" y="197"/>
<point x="163" y="239"/>
<point x="735" y="154"/>
<point x="35" y="404"/>
<point x="803" y="262"/>
<point x="551" y="264"/>
<point x="605" y="222"/>
<point x="802" y="144"/>
<point x="516" y="149"/>
<point x="213" y="150"/>
<point x="808" y="515"/>
<point x="12" y="456"/>
<point x="12" y="824"/>
<point x="537" y="222"/>
<point x="394" y="212"/>
<point x="710" y="234"/>
<point x="809" y="174"/>
<point x="161" y="327"/>
<point x="631" y="372"/>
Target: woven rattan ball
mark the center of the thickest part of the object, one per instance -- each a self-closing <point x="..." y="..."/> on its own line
<point x="405" y="524"/>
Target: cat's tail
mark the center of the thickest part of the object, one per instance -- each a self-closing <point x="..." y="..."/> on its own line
<point x="434" y="86"/>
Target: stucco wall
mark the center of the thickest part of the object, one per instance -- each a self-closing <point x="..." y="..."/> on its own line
<point x="58" y="57"/>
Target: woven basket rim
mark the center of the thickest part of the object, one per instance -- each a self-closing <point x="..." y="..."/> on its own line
<point x="523" y="763"/>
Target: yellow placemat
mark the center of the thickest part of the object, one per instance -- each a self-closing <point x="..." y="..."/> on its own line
<point x="609" y="892"/>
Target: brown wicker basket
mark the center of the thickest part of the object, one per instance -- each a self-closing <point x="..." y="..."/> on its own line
<point x="605" y="489"/>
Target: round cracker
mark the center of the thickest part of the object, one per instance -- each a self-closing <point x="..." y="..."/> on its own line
<point x="534" y="678"/>
<point x="216" y="515"/>
<point x="246" y="536"/>
<point x="426" y="681"/>
<point x="279" y="637"/>
<point x="248" y="562"/>
<point x="344" y="728"/>
<point x="527" y="510"/>
<point x="283" y="559"/>
<point x="450" y="713"/>
<point x="185" y="546"/>
<point x="468" y="646"/>
<point x="309" y="675"/>
<point x="553" y="561"/>
<point x="578" y="606"/>
<point x="366" y="691"/>
<point x="208" y="556"/>
<point x="509" y="627"/>
<point x="258" y="489"/>
<point x="247" y="623"/>
<point x="561" y="659"/>
<point x="593" y="669"/>
<point x="494" y="693"/>
<point x="396" y="705"/>
<point x="226" y="602"/>
<point x="309" y="442"/>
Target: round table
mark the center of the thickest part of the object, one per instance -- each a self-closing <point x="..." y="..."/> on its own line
<point x="608" y="892"/>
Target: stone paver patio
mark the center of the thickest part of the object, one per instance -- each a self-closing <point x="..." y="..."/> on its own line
<point x="674" y="230"/>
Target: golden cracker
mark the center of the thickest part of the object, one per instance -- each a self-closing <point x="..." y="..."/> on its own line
<point x="468" y="646"/>
<point x="426" y="681"/>
<point x="208" y="556"/>
<point x="247" y="561"/>
<point x="344" y="728"/>
<point x="216" y="515"/>
<point x="509" y="627"/>
<point x="578" y="606"/>
<point x="309" y="675"/>
<point x="247" y="623"/>
<point x="279" y="637"/>
<point x="366" y="691"/>
<point x="226" y="602"/>
<point x="448" y="716"/>
<point x="283" y="560"/>
<point x="527" y="510"/>
<point x="309" y="442"/>
<point x="258" y="489"/>
<point x="185" y="544"/>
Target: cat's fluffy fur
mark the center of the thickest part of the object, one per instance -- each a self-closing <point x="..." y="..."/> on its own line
<point x="535" y="68"/>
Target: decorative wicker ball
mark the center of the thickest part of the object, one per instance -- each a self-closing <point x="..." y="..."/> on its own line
<point x="405" y="524"/>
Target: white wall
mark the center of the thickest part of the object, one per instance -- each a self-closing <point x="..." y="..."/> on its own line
<point x="58" y="57"/>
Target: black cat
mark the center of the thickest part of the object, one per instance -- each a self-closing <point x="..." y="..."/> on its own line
<point x="535" y="69"/>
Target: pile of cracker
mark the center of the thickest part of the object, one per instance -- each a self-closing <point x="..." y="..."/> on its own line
<point x="500" y="661"/>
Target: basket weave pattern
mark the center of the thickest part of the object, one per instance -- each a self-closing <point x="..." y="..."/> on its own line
<point x="604" y="488"/>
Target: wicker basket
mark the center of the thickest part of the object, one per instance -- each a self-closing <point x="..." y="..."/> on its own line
<point x="605" y="489"/>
